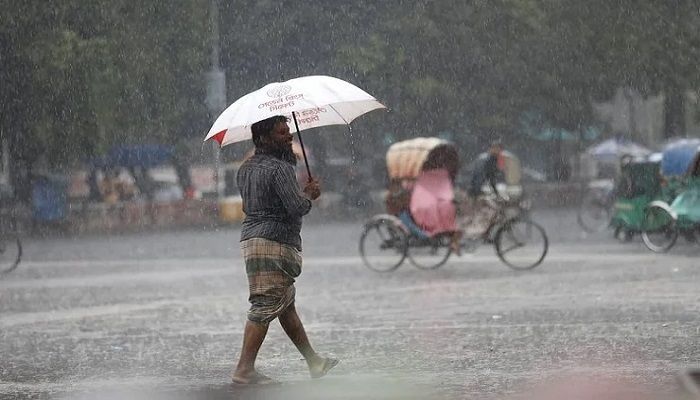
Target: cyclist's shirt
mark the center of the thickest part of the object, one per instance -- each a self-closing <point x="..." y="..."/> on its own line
<point x="487" y="171"/>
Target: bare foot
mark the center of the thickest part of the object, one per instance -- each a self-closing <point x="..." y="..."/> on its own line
<point x="322" y="366"/>
<point x="254" y="378"/>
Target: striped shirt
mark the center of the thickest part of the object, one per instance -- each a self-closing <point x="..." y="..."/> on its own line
<point x="272" y="200"/>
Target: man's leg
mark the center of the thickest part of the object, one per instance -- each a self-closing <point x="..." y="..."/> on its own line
<point x="456" y="242"/>
<point x="318" y="366"/>
<point x="466" y="213"/>
<point x="289" y="319"/>
<point x="253" y="337"/>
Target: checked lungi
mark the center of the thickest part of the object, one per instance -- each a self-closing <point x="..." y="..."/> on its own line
<point x="271" y="268"/>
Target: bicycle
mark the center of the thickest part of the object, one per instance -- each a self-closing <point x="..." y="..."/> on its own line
<point x="10" y="242"/>
<point x="597" y="205"/>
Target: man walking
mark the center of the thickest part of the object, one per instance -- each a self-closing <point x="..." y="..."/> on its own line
<point x="271" y="246"/>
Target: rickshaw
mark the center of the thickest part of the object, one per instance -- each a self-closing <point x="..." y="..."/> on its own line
<point x="622" y="203"/>
<point x="638" y="184"/>
<point x="598" y="200"/>
<point x="388" y="239"/>
<point x="664" y="221"/>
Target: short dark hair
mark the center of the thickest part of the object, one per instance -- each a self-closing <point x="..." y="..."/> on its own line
<point x="263" y="128"/>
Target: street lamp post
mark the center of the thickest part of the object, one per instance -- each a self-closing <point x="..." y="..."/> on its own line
<point x="216" y="86"/>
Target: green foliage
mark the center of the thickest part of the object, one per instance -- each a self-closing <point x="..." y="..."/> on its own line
<point x="100" y="73"/>
<point x="490" y="62"/>
<point x="81" y="76"/>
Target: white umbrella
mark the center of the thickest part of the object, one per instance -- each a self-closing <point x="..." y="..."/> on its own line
<point x="310" y="101"/>
<point x="613" y="149"/>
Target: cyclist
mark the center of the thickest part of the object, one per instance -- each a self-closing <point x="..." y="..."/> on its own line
<point x="490" y="170"/>
<point x="475" y="212"/>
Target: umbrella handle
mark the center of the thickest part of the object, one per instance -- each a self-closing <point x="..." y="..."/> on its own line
<point x="301" y="142"/>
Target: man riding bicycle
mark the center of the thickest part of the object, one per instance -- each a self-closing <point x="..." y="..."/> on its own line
<point x="476" y="213"/>
<point x="490" y="170"/>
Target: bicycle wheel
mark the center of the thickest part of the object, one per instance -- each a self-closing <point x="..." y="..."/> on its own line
<point x="383" y="245"/>
<point x="660" y="233"/>
<point x="430" y="253"/>
<point x="594" y="214"/>
<point x="521" y="244"/>
<point x="10" y="252"/>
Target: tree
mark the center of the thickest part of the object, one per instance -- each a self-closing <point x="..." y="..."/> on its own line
<point x="451" y="65"/>
<point x="108" y="72"/>
<point x="96" y="74"/>
<point x="651" y="46"/>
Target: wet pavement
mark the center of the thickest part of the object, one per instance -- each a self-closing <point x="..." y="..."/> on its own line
<point x="160" y="315"/>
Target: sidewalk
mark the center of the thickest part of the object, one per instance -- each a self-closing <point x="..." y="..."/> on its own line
<point x="135" y="216"/>
<point x="140" y="215"/>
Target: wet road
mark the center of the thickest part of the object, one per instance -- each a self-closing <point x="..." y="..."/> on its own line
<point x="160" y="315"/>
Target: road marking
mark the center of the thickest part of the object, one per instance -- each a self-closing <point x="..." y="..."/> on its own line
<point x="114" y="279"/>
<point x="212" y="267"/>
<point x="556" y="255"/>
<point x="24" y="318"/>
<point x="7" y="321"/>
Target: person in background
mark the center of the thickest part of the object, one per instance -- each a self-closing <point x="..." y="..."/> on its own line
<point x="475" y="213"/>
<point x="433" y="204"/>
<point x="489" y="171"/>
<point x="110" y="190"/>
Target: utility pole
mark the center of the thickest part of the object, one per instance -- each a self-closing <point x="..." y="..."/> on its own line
<point x="216" y="87"/>
<point x="631" y="114"/>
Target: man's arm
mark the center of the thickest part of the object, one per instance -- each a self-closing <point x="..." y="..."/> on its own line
<point x="287" y="188"/>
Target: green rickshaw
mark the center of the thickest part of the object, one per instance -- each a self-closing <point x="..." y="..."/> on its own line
<point x="664" y="221"/>
<point x="638" y="185"/>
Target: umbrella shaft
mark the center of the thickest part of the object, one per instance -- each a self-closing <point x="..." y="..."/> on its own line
<point x="301" y="142"/>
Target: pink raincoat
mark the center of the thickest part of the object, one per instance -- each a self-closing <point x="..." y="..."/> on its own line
<point x="432" y="206"/>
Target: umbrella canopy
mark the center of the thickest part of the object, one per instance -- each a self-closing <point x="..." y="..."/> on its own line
<point x="315" y="100"/>
<point x="612" y="149"/>
<point x="681" y="142"/>
<point x="678" y="156"/>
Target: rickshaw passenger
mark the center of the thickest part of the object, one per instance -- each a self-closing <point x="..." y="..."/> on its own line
<point x="432" y="205"/>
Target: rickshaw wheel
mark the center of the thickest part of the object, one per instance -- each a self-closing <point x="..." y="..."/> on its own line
<point x="383" y="245"/>
<point x="521" y="244"/>
<point x="429" y="253"/>
<point x="660" y="232"/>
